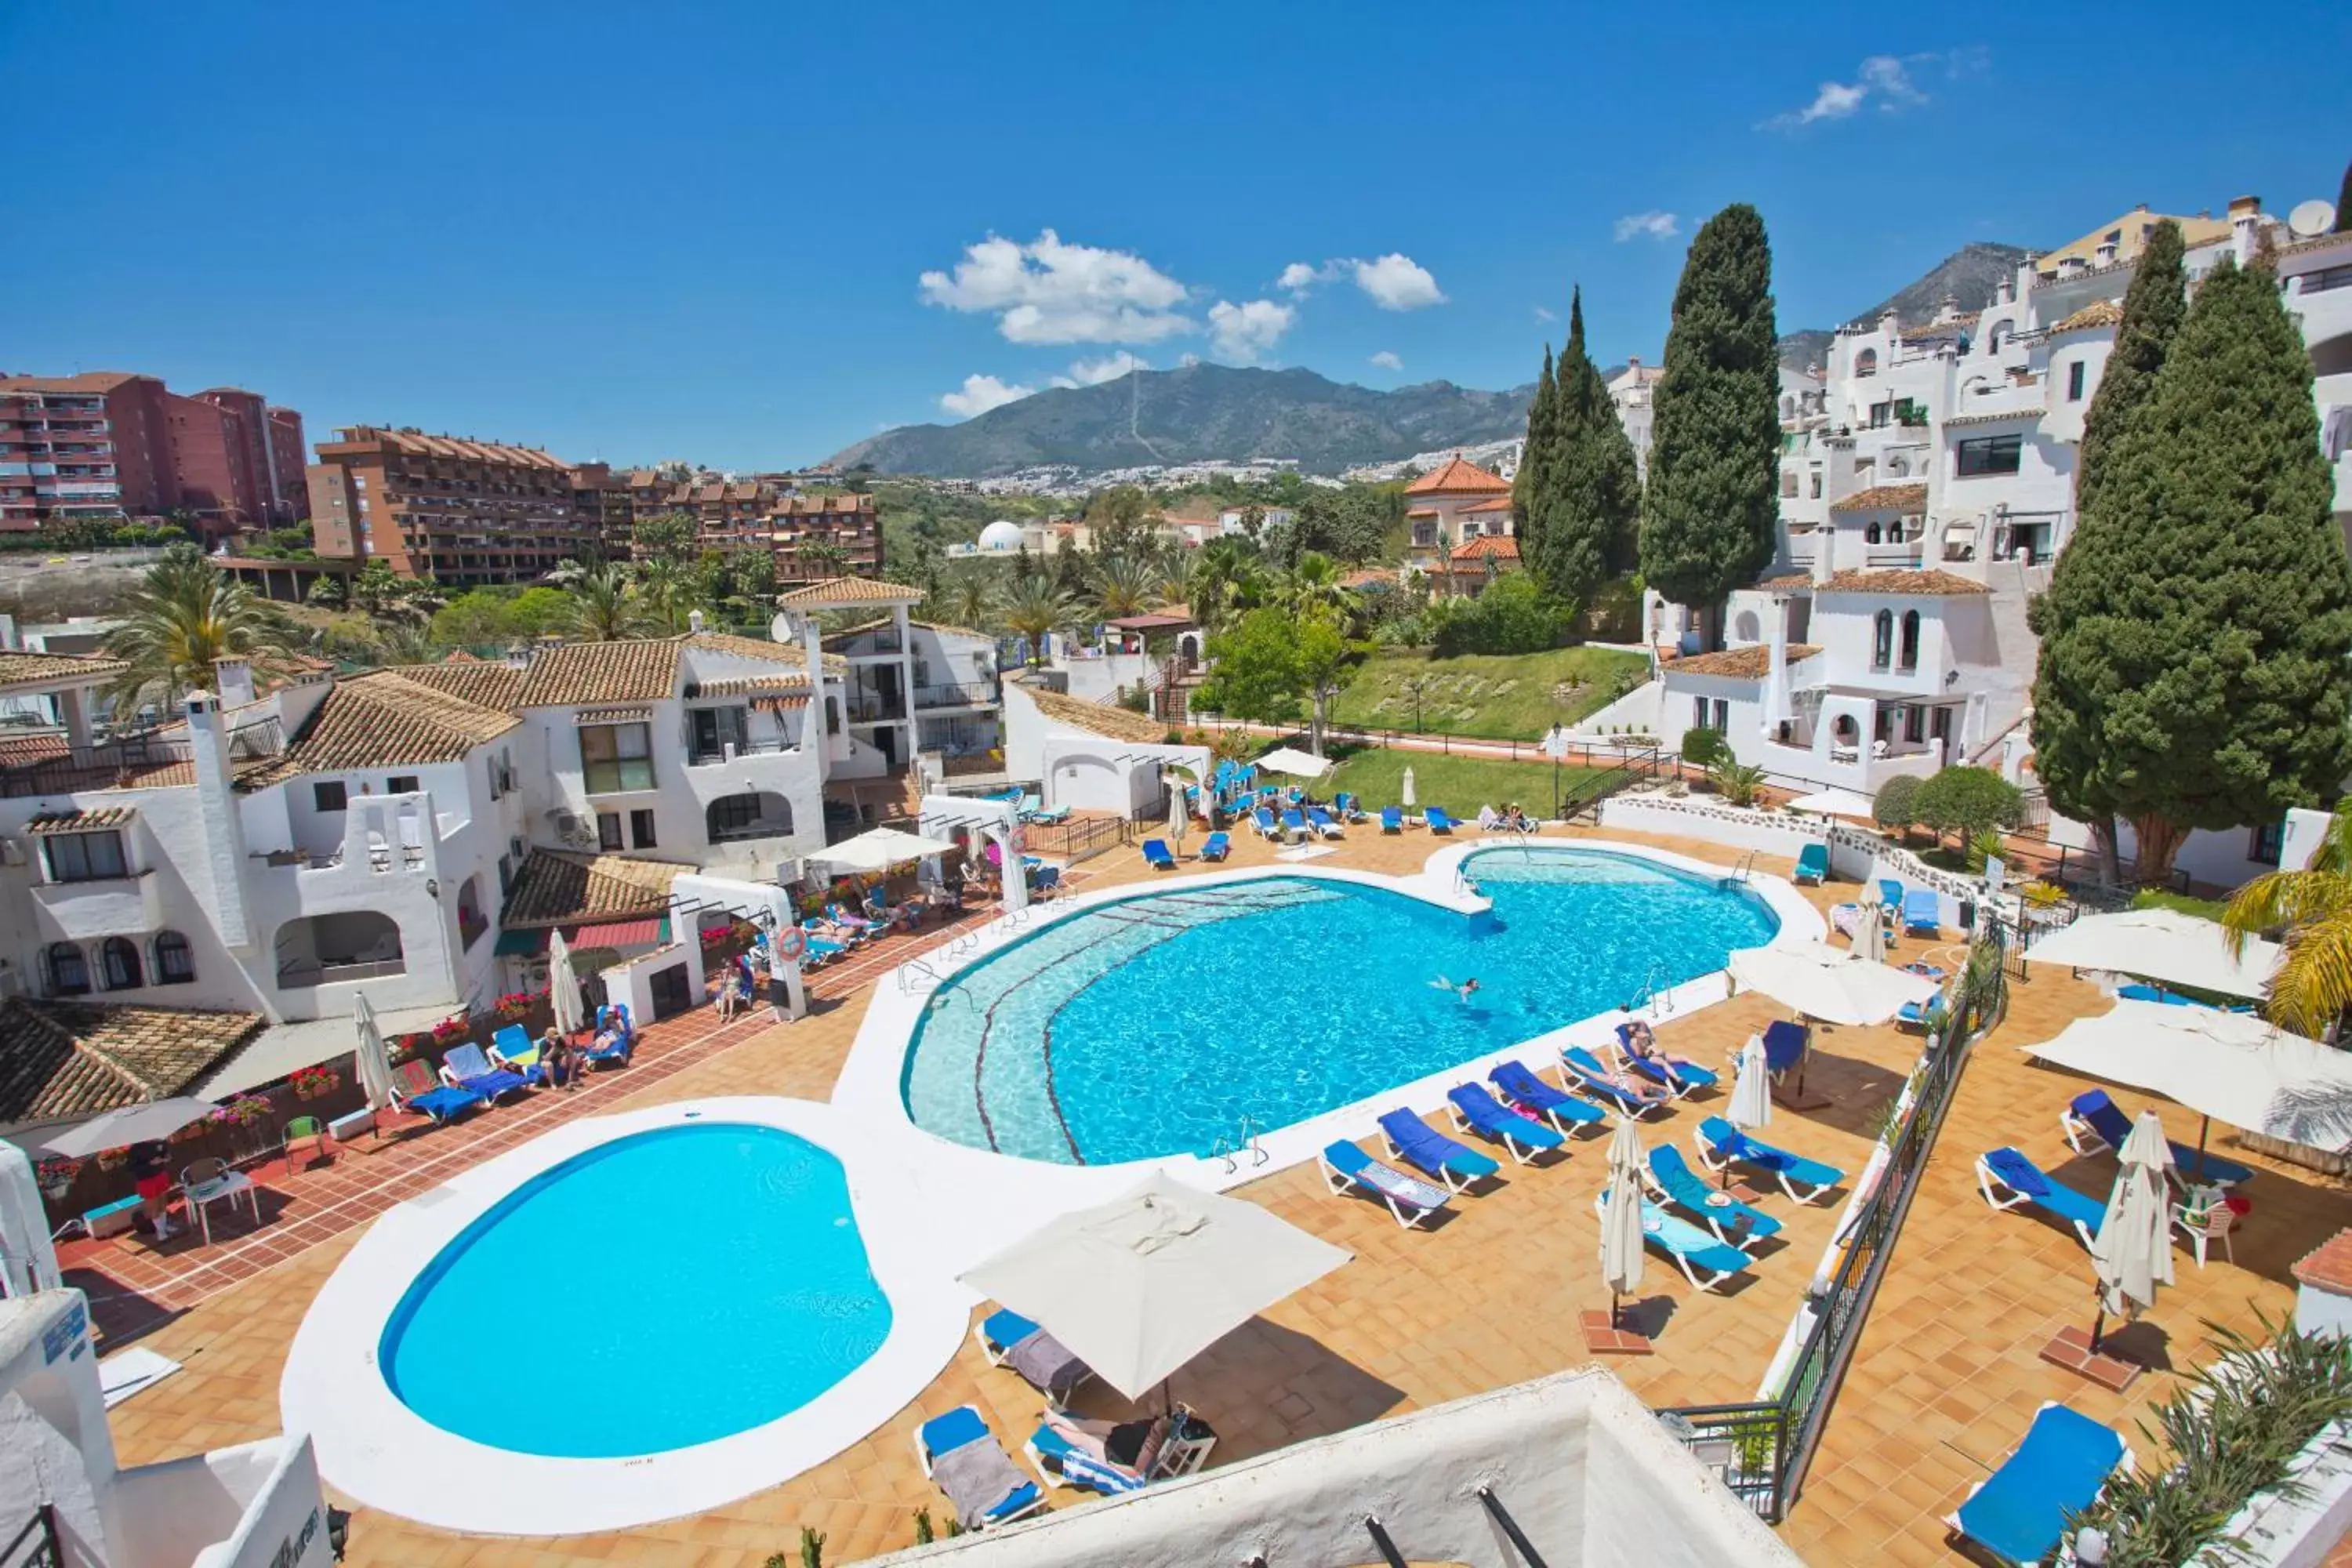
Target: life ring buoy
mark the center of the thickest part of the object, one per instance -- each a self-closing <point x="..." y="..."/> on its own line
<point x="790" y="943"/>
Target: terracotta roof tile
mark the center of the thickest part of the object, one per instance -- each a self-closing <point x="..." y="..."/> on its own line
<point x="1459" y="476"/>
<point x="1794" y="579"/>
<point x="1739" y="663"/>
<point x="2330" y="1266"/>
<point x="1959" y="421"/>
<point x="96" y="820"/>
<point x="1098" y="719"/>
<point x="18" y="668"/>
<point x="1500" y="503"/>
<point x="385" y="720"/>
<point x="1494" y="546"/>
<point x="68" y="1059"/>
<point x="483" y="682"/>
<point x="1884" y="498"/>
<point x="846" y="591"/>
<point x="1902" y="580"/>
<point x="637" y="669"/>
<point x="2098" y="313"/>
<point x="557" y="887"/>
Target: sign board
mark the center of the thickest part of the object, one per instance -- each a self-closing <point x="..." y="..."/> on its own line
<point x="1555" y="745"/>
<point x="1993" y="869"/>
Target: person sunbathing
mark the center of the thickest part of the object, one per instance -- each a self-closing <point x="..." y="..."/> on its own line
<point x="841" y="916"/>
<point x="1131" y="1446"/>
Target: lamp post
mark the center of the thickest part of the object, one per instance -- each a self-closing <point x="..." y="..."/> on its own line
<point x="1556" y="744"/>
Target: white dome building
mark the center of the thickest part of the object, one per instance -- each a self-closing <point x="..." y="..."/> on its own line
<point x="1001" y="537"/>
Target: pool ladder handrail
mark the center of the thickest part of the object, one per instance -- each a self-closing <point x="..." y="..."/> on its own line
<point x="1738" y="874"/>
<point x="1656" y="997"/>
<point x="1225" y="1149"/>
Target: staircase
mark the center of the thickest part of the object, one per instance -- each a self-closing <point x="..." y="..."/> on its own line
<point x="2012" y="584"/>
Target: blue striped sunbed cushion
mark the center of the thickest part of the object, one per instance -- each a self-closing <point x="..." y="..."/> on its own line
<point x="1515" y="1081"/>
<point x="1481" y="1110"/>
<point x="1683" y="1185"/>
<point x="1412" y="1191"/>
<point x="2020" y="1510"/>
<point x="1729" y="1140"/>
<point x="1433" y="1151"/>
<point x="2020" y="1175"/>
<point x="1081" y="1469"/>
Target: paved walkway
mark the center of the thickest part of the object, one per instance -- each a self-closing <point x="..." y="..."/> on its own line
<point x="1945" y="1381"/>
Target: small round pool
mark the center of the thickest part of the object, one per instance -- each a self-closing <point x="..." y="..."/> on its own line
<point x="662" y="1289"/>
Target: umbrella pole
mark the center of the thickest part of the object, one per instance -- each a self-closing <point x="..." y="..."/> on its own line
<point x="2099" y="1325"/>
<point x="2204" y="1130"/>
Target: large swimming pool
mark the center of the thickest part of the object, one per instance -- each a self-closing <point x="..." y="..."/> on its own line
<point x="1160" y="1025"/>
<point x="661" y="1289"/>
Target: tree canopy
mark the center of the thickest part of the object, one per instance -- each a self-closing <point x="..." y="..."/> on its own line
<point x="1963" y="800"/>
<point x="1586" y="511"/>
<point x="1709" y="513"/>
<point x="1257" y="675"/>
<point x="2192" y="672"/>
<point x="2153" y="308"/>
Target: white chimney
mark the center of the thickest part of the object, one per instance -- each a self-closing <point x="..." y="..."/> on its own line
<point x="1825" y="552"/>
<point x="8" y="631"/>
<point x="1947" y="308"/>
<point x="2005" y="291"/>
<point x="2025" y="274"/>
<point x="224" y="826"/>
<point x="694" y="621"/>
<point x="233" y="678"/>
<point x="1887" y="325"/>
<point x="2072" y="265"/>
<point x="812" y="719"/>
<point x="2245" y="223"/>
<point x="2106" y="252"/>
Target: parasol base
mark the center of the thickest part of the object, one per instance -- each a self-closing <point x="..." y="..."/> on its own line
<point x="1603" y="1340"/>
<point x="2071" y="1348"/>
<point x="1800" y="1099"/>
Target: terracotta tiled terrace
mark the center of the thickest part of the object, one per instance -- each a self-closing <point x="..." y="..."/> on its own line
<point x="1945" y="1380"/>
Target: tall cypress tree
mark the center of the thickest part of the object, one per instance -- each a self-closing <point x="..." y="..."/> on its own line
<point x="1594" y="484"/>
<point x="2344" y="202"/>
<point x="2153" y="308"/>
<point x="2193" y="674"/>
<point x="1533" y="481"/>
<point x="1710" y="512"/>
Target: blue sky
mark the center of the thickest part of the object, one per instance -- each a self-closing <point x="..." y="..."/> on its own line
<point x="704" y="231"/>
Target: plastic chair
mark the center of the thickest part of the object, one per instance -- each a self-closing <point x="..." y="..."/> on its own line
<point x="2205" y="1226"/>
<point x="303" y="1127"/>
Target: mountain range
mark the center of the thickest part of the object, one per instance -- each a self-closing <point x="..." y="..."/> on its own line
<point x="1200" y="413"/>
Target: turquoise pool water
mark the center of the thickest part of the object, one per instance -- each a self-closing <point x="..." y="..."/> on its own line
<point x="1156" y="1024"/>
<point x="662" y="1289"/>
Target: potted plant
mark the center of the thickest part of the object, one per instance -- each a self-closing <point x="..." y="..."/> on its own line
<point x="313" y="1083"/>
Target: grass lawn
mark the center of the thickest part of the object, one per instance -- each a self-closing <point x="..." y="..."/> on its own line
<point x="1460" y="785"/>
<point x="1501" y="697"/>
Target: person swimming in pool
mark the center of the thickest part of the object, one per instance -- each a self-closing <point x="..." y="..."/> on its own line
<point x="1464" y="991"/>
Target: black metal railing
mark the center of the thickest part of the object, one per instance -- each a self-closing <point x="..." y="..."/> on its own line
<point x="50" y="767"/>
<point x="37" y="1545"/>
<point x="1589" y="790"/>
<point x="1763" y="1448"/>
<point x="968" y="694"/>
<point x="1079" y="837"/>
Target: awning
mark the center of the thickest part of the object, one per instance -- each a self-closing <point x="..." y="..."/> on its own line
<point x="520" y="944"/>
<point x="623" y="933"/>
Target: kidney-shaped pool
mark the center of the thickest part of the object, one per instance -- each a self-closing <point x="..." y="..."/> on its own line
<point x="660" y="1290"/>
<point x="1157" y="1025"/>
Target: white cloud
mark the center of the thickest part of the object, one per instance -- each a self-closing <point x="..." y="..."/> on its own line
<point x="1650" y="225"/>
<point x="1889" y="80"/>
<point x="1110" y="367"/>
<point x="1544" y="315"/>
<point x="1050" y="292"/>
<point x="1299" y="276"/>
<point x="980" y="394"/>
<point x="1241" y="332"/>
<point x="1398" y="282"/>
<point x="1386" y="360"/>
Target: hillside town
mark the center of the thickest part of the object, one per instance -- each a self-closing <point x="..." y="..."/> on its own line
<point x="1776" y="941"/>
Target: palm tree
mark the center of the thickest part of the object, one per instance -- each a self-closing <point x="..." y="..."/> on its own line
<point x="1176" y="575"/>
<point x="605" y="605"/>
<point x="821" y="558"/>
<point x="2313" y="988"/>
<point x="1033" y="607"/>
<point x="186" y="613"/>
<point x="1314" y="585"/>
<point x="965" y="597"/>
<point x="1226" y="580"/>
<point x="1123" y="587"/>
<point x="671" y="590"/>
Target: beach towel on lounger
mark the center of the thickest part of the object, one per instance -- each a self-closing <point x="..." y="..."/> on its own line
<point x="976" y="1478"/>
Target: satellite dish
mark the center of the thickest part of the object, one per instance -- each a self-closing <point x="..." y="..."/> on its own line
<point x="781" y="628"/>
<point x="2310" y="219"/>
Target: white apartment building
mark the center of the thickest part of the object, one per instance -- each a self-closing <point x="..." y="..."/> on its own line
<point x="919" y="688"/>
<point x="1633" y="391"/>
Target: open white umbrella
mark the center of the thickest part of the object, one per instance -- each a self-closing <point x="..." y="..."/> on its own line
<point x="563" y="987"/>
<point x="1139" y="1286"/>
<point x="2161" y="945"/>
<point x="1837" y="803"/>
<point x="1300" y="765"/>
<point x="2228" y="1067"/>
<point x="1829" y="984"/>
<point x="878" y="849"/>
<point x="1621" y="1218"/>
<point x="2132" y="1254"/>
<point x="1404" y="789"/>
<point x="372" y="1060"/>
<point x="131" y="1124"/>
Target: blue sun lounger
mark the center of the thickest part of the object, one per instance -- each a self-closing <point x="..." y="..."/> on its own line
<point x="414" y="1088"/>
<point x="1392" y="819"/>
<point x="998" y="1332"/>
<point x="1691" y="1247"/>
<point x="1923" y="913"/>
<point x="1156" y="855"/>
<point x="2027" y="1183"/>
<point x="1719" y="1144"/>
<point x="1890" y="895"/>
<point x="1535" y="1098"/>
<point x="1013" y="1493"/>
<point x="513" y="1050"/>
<point x="2092" y="1122"/>
<point x="1784" y="1045"/>
<point x="1320" y="820"/>
<point x="614" y="1014"/>
<point x="2020" y="1511"/>
<point x="1216" y="847"/>
<point x="1735" y="1223"/>
<point x="1346" y="807"/>
<point x="1812" y="864"/>
<point x="1597" y="1081"/>
<point x="1431" y="1153"/>
<point x="1267" y="826"/>
<point x="1434" y="817"/>
<point x="1676" y="1073"/>
<point x="1475" y="1110"/>
<point x="1411" y="1200"/>
<point x="466" y="1068"/>
<point x="1294" y="824"/>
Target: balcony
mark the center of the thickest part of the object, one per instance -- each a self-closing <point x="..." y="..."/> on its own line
<point x="971" y="694"/>
<point x="304" y="976"/>
<point x="765" y="746"/>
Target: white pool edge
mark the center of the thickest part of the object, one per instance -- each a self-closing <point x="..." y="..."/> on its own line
<point x="385" y="1456"/>
<point x="870" y="1079"/>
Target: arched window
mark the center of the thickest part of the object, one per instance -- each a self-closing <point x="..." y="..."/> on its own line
<point x="1845" y="731"/>
<point x="755" y="814"/>
<point x="1870" y="533"/>
<point x="1882" y="641"/>
<point x="1865" y="364"/>
<point x="69" y="970"/>
<point x="1898" y="466"/>
<point x="1788" y="407"/>
<point x="1999" y="338"/>
<point x="175" y="961"/>
<point x="1910" y="639"/>
<point x="118" y="959"/>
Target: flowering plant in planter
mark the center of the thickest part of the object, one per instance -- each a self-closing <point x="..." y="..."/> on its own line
<point x="245" y="1111"/>
<point x="449" y="1030"/>
<point x="511" y="1006"/>
<point x="309" y="1083"/>
<point x="55" y="1174"/>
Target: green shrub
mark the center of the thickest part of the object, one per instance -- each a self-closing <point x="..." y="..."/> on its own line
<point x="1704" y="748"/>
<point x="1511" y="614"/>
<point x="1968" y="801"/>
<point x="1897" y="805"/>
<point x="1738" y="783"/>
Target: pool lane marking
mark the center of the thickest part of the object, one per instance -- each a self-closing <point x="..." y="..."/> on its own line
<point x="988" y="1024"/>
